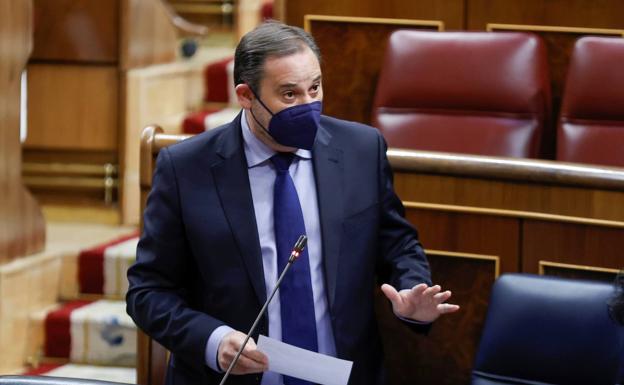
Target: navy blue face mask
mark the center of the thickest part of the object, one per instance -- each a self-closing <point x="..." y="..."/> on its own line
<point x="294" y="126"/>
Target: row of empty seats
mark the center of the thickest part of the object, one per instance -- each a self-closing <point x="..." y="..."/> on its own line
<point x="489" y="94"/>
<point x="480" y="93"/>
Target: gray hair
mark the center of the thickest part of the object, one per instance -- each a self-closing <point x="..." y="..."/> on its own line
<point x="271" y="38"/>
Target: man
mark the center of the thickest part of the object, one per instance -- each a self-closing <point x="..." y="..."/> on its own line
<point x="227" y="205"/>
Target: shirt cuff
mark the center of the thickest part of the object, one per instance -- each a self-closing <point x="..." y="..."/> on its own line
<point x="412" y="321"/>
<point x="212" y="347"/>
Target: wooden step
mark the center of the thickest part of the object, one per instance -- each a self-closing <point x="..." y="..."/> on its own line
<point x="105" y="373"/>
<point x="85" y="332"/>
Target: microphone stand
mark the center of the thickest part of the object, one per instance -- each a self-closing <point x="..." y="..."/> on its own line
<point x="294" y="254"/>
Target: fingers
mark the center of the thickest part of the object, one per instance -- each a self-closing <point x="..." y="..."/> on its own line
<point x="252" y="352"/>
<point x="419" y="289"/>
<point x="422" y="303"/>
<point x="435" y="295"/>
<point x="250" y="361"/>
<point x="442" y="297"/>
<point x="431" y="291"/>
<point x="246" y="365"/>
<point x="391" y="293"/>
<point x="446" y="308"/>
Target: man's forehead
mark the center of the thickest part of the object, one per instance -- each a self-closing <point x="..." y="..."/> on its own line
<point x="291" y="70"/>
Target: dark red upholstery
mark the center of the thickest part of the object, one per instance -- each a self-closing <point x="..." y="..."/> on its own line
<point x="266" y="11"/>
<point x="216" y="81"/>
<point x="591" y="124"/>
<point x="195" y="122"/>
<point x="469" y="92"/>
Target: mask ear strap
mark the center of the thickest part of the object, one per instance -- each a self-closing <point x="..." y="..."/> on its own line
<point x="254" y="115"/>
<point x="257" y="121"/>
<point x="260" y="100"/>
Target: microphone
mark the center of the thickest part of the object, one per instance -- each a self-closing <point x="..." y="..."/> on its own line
<point x="294" y="254"/>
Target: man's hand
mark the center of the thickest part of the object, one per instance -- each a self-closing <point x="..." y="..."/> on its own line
<point x="421" y="303"/>
<point x="250" y="361"/>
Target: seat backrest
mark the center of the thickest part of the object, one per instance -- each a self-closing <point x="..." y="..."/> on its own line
<point x="151" y="356"/>
<point x="471" y="92"/>
<point x="591" y="122"/>
<point x="546" y="330"/>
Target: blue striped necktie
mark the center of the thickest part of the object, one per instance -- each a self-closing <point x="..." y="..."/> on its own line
<point x="296" y="301"/>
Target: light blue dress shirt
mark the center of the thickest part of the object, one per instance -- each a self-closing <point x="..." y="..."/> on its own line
<point x="262" y="177"/>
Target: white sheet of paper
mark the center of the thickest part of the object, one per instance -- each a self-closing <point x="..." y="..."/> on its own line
<point x="300" y="363"/>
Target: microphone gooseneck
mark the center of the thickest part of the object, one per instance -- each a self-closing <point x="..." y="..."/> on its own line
<point x="294" y="254"/>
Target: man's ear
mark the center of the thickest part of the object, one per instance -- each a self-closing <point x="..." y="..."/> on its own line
<point x="244" y="95"/>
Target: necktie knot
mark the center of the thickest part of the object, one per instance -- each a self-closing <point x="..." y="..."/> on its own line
<point x="282" y="160"/>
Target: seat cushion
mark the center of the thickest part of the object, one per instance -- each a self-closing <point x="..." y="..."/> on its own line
<point x="461" y="133"/>
<point x="592" y="142"/>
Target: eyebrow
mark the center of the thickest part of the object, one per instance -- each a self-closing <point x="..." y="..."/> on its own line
<point x="291" y="85"/>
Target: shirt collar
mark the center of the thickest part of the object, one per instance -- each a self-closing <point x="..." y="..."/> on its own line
<point x="257" y="152"/>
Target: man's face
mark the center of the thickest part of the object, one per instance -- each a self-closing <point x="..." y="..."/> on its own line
<point x="288" y="81"/>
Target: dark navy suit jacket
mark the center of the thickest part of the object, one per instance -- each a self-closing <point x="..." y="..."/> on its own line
<point x="199" y="263"/>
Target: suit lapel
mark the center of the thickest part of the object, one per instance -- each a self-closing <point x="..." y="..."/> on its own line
<point x="328" y="169"/>
<point x="232" y="183"/>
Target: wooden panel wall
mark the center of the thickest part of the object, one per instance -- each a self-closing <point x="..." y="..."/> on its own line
<point x="135" y="32"/>
<point x="450" y="12"/>
<point x="469" y="233"/>
<point x="467" y="14"/>
<point x="73" y="107"/>
<point x="568" y="13"/>
<point x="571" y="271"/>
<point x="70" y="30"/>
<point x="351" y="64"/>
<point x="571" y="243"/>
<point x="444" y="356"/>
<point x="515" y="195"/>
<point x="22" y="230"/>
<point x="148" y="35"/>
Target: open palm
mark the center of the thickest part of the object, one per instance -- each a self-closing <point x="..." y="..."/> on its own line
<point x="420" y="303"/>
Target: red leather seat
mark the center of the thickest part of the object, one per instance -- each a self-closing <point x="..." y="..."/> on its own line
<point x="469" y="92"/>
<point x="591" y="123"/>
